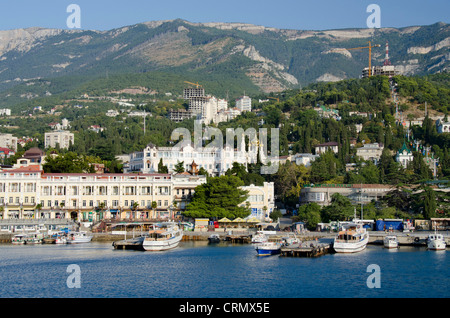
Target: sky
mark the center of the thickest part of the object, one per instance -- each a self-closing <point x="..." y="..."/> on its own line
<point x="282" y="14"/>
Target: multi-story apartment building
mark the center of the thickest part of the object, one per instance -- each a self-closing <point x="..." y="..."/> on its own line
<point x="8" y="141"/>
<point x="244" y="104"/>
<point x="63" y="138"/>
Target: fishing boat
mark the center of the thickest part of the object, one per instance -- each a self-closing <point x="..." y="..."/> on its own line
<point x="352" y="238"/>
<point x="436" y="242"/>
<point x="214" y="238"/>
<point x="390" y="241"/>
<point x="268" y="248"/>
<point x="61" y="239"/>
<point x="34" y="238"/>
<point x="162" y="237"/>
<point x="259" y="237"/>
<point x="78" y="237"/>
<point x="19" y="239"/>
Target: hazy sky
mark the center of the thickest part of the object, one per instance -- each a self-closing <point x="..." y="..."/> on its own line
<point x="288" y="14"/>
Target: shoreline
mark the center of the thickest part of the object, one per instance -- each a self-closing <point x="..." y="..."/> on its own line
<point x="375" y="237"/>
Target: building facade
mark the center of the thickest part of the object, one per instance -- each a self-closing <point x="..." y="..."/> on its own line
<point x="370" y="152"/>
<point x="261" y="200"/>
<point x="29" y="193"/>
<point x="216" y="161"/>
<point x="63" y="138"/>
<point x="8" y="141"/>
<point x="244" y="104"/>
<point x="357" y="193"/>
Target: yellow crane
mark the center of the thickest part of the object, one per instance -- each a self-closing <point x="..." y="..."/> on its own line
<point x="278" y="100"/>
<point x="370" y="53"/>
<point x="196" y="84"/>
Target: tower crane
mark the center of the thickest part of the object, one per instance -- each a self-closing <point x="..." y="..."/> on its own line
<point x="278" y="100"/>
<point x="370" y="53"/>
<point x="196" y="84"/>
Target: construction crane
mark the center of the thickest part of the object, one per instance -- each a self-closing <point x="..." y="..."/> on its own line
<point x="278" y="100"/>
<point x="370" y="53"/>
<point x="196" y="84"/>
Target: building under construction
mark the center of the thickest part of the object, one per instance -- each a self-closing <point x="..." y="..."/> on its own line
<point x="386" y="69"/>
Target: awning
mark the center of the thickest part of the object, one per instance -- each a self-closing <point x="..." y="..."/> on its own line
<point x="236" y="220"/>
<point x="253" y="220"/>
<point x="224" y="220"/>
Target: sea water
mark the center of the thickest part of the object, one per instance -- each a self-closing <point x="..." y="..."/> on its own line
<point x="224" y="270"/>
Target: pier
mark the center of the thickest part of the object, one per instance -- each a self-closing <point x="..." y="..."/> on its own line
<point x="307" y="249"/>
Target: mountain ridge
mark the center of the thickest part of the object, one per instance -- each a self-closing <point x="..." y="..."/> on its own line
<point x="267" y="58"/>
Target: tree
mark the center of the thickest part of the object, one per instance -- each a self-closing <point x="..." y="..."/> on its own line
<point x="162" y="168"/>
<point x="310" y="214"/>
<point x="217" y="198"/>
<point x="340" y="209"/>
<point x="429" y="203"/>
<point x="179" y="167"/>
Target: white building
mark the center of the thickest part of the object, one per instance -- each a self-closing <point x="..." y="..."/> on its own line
<point x="8" y="141"/>
<point x="91" y="197"/>
<point x="63" y="138"/>
<point x="404" y="156"/>
<point x="442" y="126"/>
<point x="322" y="148"/>
<point x="304" y="158"/>
<point x="216" y="161"/>
<point x="244" y="104"/>
<point x="5" y="112"/>
<point x="370" y="152"/>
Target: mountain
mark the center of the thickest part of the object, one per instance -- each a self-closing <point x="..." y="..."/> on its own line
<point x="225" y="57"/>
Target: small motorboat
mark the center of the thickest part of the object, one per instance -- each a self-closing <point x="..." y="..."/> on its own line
<point x="390" y="241"/>
<point x="436" y="242"/>
<point x="214" y="238"/>
<point x="259" y="237"/>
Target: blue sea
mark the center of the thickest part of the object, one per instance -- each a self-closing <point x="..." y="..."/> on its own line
<point x="224" y="270"/>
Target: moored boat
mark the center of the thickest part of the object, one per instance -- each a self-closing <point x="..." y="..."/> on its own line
<point x="163" y="237"/>
<point x="352" y="238"/>
<point x="268" y="248"/>
<point x="18" y="239"/>
<point x="78" y="237"/>
<point x="289" y="240"/>
<point x="390" y="241"/>
<point x="259" y="237"/>
<point x="436" y="242"/>
<point x="214" y="238"/>
<point x="34" y="238"/>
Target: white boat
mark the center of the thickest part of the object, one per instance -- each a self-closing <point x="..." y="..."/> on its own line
<point x="436" y="242"/>
<point x="162" y="237"/>
<point x="19" y="239"/>
<point x="78" y="237"/>
<point x="390" y="241"/>
<point x="61" y="239"/>
<point x="351" y="239"/>
<point x="34" y="238"/>
<point x="259" y="237"/>
<point x="289" y="240"/>
<point x="268" y="248"/>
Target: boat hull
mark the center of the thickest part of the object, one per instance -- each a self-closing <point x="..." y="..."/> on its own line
<point x="354" y="247"/>
<point x="437" y="246"/>
<point x="267" y="252"/>
<point x="162" y="245"/>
